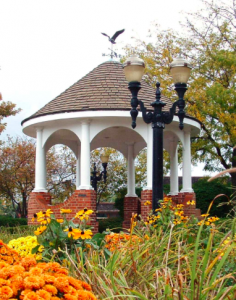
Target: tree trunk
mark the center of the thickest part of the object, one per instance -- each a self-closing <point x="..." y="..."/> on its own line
<point x="24" y="209"/>
<point x="233" y="175"/>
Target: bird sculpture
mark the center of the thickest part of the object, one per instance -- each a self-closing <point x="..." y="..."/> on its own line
<point x="113" y="38"/>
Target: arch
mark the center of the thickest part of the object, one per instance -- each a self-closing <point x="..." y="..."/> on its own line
<point x="171" y="139"/>
<point x="63" y="136"/>
<point x="118" y="137"/>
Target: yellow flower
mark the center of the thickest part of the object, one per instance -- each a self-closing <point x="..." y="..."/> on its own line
<point x="65" y="211"/>
<point x="40" y="230"/>
<point x="147" y="203"/>
<point x="60" y="220"/>
<point x="84" y="211"/>
<point x="86" y="234"/>
<point x="205" y="215"/>
<point x="191" y="202"/>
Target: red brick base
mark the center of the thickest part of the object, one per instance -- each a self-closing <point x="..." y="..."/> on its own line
<point x="79" y="200"/>
<point x="131" y="205"/>
<point x="181" y="198"/>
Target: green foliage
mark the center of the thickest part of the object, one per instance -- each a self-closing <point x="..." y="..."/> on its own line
<point x="9" y="233"/>
<point x="114" y="224"/>
<point x="211" y="96"/>
<point x="207" y="191"/>
<point x="11" y="222"/>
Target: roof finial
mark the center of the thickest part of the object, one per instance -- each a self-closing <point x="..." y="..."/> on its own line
<point x="112" y="41"/>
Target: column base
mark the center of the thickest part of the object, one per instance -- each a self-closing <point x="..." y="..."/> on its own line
<point x="131" y="205"/>
<point x="40" y="191"/>
<point x="85" y="187"/>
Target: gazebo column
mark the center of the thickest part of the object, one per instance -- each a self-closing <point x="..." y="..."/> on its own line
<point x="131" y="199"/>
<point x="149" y="157"/>
<point x="174" y="180"/>
<point x="146" y="194"/>
<point x="40" y="164"/>
<point x="39" y="198"/>
<point x="187" y="178"/>
<point x="131" y="172"/>
<point x="78" y="170"/>
<point x="85" y="157"/>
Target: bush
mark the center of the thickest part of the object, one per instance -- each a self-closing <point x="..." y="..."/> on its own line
<point x="207" y="191"/>
<point x="112" y="223"/>
<point x="11" y="222"/>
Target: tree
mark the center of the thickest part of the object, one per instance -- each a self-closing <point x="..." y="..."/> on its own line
<point x="6" y="109"/>
<point x="116" y="172"/>
<point x="211" y="97"/>
<point x="17" y="173"/>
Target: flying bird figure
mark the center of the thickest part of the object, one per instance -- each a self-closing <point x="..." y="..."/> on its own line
<point x="113" y="38"/>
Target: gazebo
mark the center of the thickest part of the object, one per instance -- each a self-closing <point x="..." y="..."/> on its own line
<point x="95" y="112"/>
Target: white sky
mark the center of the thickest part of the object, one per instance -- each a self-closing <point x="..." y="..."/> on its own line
<point x="47" y="45"/>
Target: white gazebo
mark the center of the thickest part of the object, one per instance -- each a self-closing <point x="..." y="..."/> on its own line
<point x="93" y="113"/>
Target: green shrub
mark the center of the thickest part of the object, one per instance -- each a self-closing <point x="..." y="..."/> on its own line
<point x="112" y="223"/>
<point x="11" y="222"/>
<point x="207" y="191"/>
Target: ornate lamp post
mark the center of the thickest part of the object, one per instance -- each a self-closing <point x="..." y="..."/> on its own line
<point x="95" y="178"/>
<point x="180" y="72"/>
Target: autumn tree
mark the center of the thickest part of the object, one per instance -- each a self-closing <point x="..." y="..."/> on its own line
<point x="116" y="172"/>
<point x="209" y="42"/>
<point x="17" y="173"/>
<point x="6" y="109"/>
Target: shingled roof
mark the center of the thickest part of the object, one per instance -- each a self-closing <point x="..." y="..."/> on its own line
<point x="104" y="88"/>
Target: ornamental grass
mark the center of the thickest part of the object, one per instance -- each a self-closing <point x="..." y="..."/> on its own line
<point x="174" y="258"/>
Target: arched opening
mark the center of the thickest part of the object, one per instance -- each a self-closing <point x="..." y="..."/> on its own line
<point x="61" y="173"/>
<point x="62" y="149"/>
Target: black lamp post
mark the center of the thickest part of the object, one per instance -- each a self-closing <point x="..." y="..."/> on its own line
<point x="180" y="71"/>
<point x="95" y="178"/>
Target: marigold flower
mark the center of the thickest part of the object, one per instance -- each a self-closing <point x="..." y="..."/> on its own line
<point x="5" y="292"/>
<point x="147" y="203"/>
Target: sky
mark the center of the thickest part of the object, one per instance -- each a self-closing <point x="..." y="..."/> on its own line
<point x="47" y="45"/>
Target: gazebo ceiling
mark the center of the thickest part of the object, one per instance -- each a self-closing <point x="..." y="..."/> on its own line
<point x="104" y="88"/>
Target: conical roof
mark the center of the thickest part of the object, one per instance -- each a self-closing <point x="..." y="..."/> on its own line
<point x="104" y="88"/>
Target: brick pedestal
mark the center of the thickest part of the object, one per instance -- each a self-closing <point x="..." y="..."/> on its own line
<point x="79" y="200"/>
<point x="189" y="210"/>
<point x="181" y="198"/>
<point x="131" y="205"/>
<point x="145" y="209"/>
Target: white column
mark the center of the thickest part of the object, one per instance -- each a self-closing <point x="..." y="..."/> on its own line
<point x="149" y="157"/>
<point x="40" y="164"/>
<point x="174" y="180"/>
<point x="131" y="172"/>
<point x="187" y="178"/>
<point x="78" y="169"/>
<point x="85" y="157"/>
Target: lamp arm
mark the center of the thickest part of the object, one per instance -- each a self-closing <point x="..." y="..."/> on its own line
<point x="168" y="116"/>
<point x="147" y="117"/>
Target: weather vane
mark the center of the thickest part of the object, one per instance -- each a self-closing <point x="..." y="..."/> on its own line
<point x="112" y="40"/>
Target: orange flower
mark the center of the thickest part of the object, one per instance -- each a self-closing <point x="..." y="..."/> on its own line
<point x="5" y="292"/>
<point x="50" y="288"/>
<point x="34" y="282"/>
